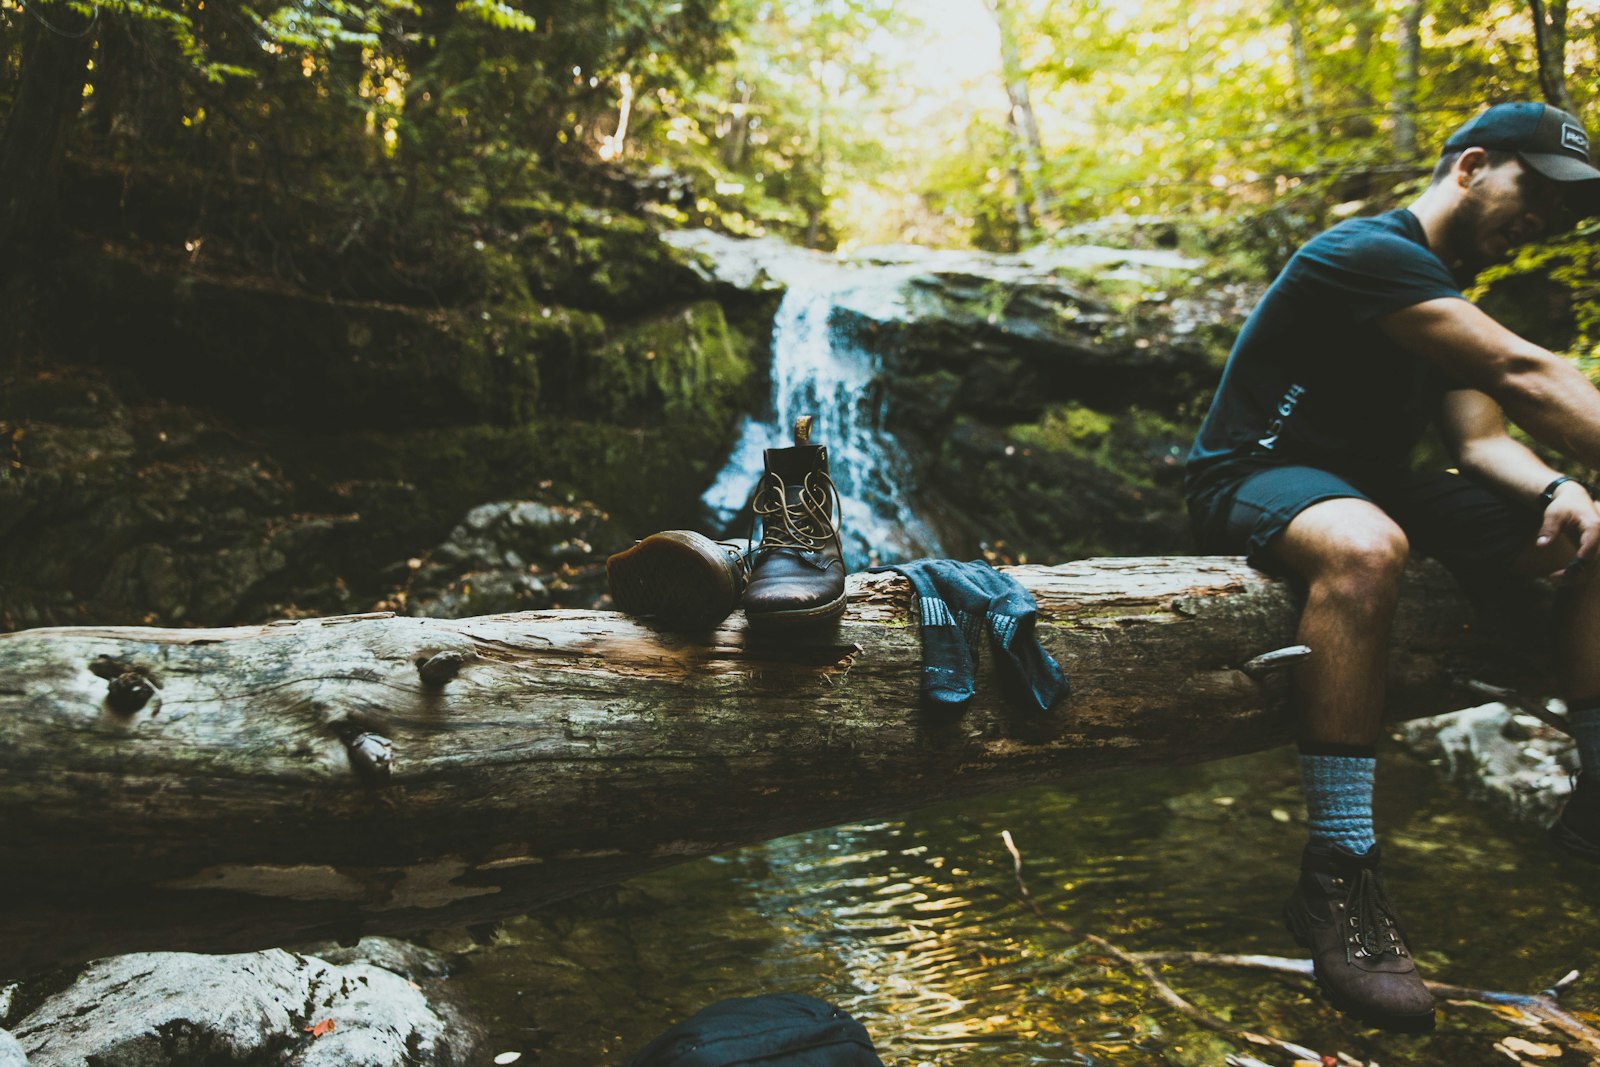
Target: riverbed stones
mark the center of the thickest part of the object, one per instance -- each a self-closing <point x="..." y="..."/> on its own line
<point x="273" y="1007"/>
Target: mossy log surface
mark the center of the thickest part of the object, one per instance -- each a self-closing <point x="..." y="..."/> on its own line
<point x="204" y="789"/>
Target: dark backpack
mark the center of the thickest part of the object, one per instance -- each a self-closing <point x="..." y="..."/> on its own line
<point x="777" y="1030"/>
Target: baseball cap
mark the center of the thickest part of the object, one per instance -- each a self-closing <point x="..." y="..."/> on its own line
<point x="1548" y="140"/>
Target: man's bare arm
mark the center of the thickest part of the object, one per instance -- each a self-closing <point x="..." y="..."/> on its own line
<point x="1475" y="429"/>
<point x="1541" y="392"/>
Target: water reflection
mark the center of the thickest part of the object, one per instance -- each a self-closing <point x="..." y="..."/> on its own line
<point x="913" y="925"/>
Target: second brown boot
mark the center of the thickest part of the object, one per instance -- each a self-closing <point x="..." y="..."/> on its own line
<point x="684" y="579"/>
<point x="797" y="576"/>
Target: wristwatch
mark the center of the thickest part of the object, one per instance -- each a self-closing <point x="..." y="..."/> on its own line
<point x="1549" y="493"/>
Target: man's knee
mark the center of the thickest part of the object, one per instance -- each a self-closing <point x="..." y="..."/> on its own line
<point x="1372" y="556"/>
<point x="1348" y="547"/>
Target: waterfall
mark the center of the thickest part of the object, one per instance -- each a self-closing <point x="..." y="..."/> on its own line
<point x="818" y="370"/>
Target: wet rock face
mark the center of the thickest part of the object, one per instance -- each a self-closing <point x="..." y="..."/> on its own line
<point x="1045" y="400"/>
<point x="274" y="1007"/>
<point x="197" y="452"/>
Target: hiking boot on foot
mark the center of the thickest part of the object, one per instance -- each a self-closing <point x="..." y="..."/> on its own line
<point x="684" y="579"/>
<point x="1339" y="911"/>
<point x="797" y="577"/>
<point x="1577" y="829"/>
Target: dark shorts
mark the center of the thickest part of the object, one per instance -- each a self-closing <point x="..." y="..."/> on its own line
<point x="1463" y="523"/>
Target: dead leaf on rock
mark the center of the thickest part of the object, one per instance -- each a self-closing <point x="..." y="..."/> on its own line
<point x="324" y="1027"/>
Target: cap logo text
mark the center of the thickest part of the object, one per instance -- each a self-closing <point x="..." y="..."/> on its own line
<point x="1573" y="137"/>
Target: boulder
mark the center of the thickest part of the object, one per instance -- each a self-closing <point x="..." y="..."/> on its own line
<point x="1509" y="760"/>
<point x="273" y="1007"/>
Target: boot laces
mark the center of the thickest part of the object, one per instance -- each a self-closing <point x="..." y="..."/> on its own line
<point x="736" y="553"/>
<point x="807" y="522"/>
<point x="1374" y="929"/>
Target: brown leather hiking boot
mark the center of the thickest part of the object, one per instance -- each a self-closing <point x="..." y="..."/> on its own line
<point x="797" y="578"/>
<point x="684" y="579"/>
<point x="1339" y="911"/>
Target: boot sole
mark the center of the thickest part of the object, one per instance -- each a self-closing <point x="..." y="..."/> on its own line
<point x="682" y="578"/>
<point x="832" y="611"/>
<point x="1420" y="1023"/>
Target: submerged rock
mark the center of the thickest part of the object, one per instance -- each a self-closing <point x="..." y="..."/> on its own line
<point x="274" y="1007"/>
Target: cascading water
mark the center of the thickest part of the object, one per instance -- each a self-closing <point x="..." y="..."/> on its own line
<point x="818" y="370"/>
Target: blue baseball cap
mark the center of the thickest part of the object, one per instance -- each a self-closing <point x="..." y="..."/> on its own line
<point x="1546" y="139"/>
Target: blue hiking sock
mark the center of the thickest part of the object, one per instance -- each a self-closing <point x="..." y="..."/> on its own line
<point x="952" y="621"/>
<point x="1338" y="791"/>
<point x="1585" y="718"/>
<point x="1032" y="679"/>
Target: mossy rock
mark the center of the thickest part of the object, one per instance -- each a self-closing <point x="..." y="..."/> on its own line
<point x="1077" y="483"/>
<point x="598" y="259"/>
<point x="684" y="368"/>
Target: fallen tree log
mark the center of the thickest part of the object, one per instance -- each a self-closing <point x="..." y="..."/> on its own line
<point x="228" y="789"/>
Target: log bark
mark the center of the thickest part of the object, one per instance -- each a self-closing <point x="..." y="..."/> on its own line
<point x="205" y="789"/>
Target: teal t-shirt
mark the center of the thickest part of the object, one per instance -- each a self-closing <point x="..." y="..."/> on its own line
<point x="1312" y="379"/>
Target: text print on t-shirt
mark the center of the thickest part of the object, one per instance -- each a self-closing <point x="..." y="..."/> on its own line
<point x="1285" y="408"/>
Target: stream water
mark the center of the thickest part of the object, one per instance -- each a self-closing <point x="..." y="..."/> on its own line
<point x="915" y="926"/>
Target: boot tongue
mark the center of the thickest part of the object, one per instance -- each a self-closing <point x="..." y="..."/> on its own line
<point x="793" y="464"/>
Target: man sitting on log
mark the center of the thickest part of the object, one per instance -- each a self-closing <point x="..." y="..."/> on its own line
<point x="1304" y="465"/>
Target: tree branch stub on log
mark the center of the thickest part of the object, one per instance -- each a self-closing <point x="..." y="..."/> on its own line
<point x="570" y="749"/>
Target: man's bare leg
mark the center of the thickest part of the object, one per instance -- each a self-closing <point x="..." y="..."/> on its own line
<point x="1351" y="556"/>
<point x="1578" y="672"/>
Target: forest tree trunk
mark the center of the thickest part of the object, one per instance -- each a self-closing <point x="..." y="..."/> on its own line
<point x="1024" y="126"/>
<point x="226" y="789"/>
<point x="1407" y="76"/>
<point x="1303" y="81"/>
<point x="55" y="60"/>
<point x="1550" y="37"/>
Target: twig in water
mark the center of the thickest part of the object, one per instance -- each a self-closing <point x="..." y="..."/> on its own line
<point x="1164" y="991"/>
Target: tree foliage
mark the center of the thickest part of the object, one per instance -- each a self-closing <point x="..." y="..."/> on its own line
<point x="815" y="118"/>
